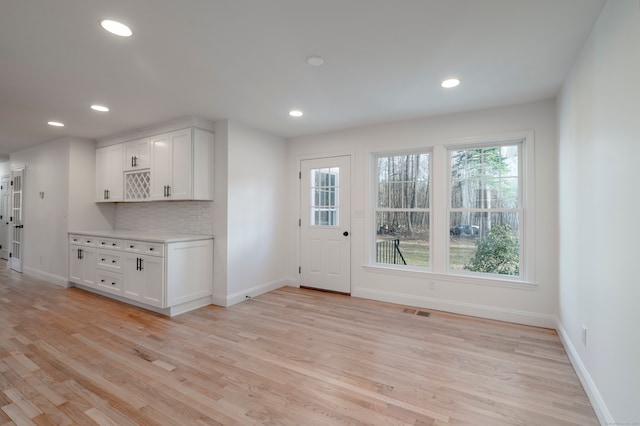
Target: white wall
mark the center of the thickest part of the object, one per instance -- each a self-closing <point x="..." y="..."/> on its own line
<point x="256" y="212"/>
<point x="45" y="220"/>
<point x="525" y="304"/>
<point x="83" y="213"/>
<point x="64" y="170"/>
<point x="220" y="207"/>
<point x="599" y="201"/>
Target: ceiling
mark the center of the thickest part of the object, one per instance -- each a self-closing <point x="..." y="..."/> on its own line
<point x="245" y="60"/>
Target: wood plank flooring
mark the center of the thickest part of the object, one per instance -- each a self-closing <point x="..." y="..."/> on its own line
<point x="288" y="357"/>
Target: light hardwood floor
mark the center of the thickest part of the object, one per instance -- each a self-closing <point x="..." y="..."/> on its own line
<point x="292" y="356"/>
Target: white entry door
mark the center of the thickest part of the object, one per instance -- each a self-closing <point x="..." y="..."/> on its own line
<point x="4" y="217"/>
<point x="325" y="224"/>
<point x="17" y="183"/>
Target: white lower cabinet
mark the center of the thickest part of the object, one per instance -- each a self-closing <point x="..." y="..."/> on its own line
<point x="144" y="279"/>
<point x="82" y="267"/>
<point x="171" y="277"/>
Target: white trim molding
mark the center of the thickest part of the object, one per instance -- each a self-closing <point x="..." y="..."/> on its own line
<point x="482" y="311"/>
<point x="48" y="277"/>
<point x="597" y="402"/>
<point x="250" y="293"/>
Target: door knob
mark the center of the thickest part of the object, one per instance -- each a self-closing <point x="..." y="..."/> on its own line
<point x="345" y="233"/>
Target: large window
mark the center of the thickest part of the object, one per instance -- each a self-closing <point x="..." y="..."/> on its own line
<point x="457" y="209"/>
<point x="485" y="209"/>
<point x="402" y="212"/>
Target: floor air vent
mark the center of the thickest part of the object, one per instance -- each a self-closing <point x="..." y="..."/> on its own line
<point x="416" y="312"/>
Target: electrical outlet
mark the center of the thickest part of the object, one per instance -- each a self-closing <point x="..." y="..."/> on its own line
<point x="584" y="336"/>
<point x="431" y="285"/>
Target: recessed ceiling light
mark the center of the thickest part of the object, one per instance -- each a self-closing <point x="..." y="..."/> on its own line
<point x="295" y="113"/>
<point x="452" y="82"/>
<point x="315" y="61"/>
<point x="55" y="123"/>
<point x="100" y="108"/>
<point x="117" y="28"/>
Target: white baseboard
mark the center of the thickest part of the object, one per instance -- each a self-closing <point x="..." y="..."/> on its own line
<point x="219" y="300"/>
<point x="243" y="295"/>
<point x="46" y="276"/>
<point x="599" y="406"/>
<point x="482" y="311"/>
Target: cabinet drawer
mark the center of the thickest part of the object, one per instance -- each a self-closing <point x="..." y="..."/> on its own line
<point x="152" y="249"/>
<point x="109" y="282"/>
<point x="109" y="243"/>
<point x="109" y="260"/>
<point x="82" y="240"/>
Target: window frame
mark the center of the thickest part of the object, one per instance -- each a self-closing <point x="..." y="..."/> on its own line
<point x="519" y="142"/>
<point x="375" y="209"/>
<point x="439" y="204"/>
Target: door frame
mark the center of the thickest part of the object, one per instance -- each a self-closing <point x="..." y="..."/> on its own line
<point x="4" y="251"/>
<point x="17" y="265"/>
<point x="303" y="157"/>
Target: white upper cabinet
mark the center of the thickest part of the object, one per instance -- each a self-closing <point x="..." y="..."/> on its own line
<point x="136" y="155"/>
<point x="176" y="165"/>
<point x="109" y="174"/>
<point x="182" y="165"/>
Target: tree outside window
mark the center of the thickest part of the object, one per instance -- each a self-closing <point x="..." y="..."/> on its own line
<point x="402" y="209"/>
<point x="485" y="214"/>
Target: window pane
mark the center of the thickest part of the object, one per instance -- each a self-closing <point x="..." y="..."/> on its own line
<point x="403" y="181"/>
<point x="402" y="238"/>
<point x="485" y="242"/>
<point x="485" y="177"/>
<point x="325" y="195"/>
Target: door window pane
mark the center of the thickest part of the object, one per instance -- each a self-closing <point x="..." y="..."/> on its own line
<point x="325" y="196"/>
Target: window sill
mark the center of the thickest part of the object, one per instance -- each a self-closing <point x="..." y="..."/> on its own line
<point x="451" y="277"/>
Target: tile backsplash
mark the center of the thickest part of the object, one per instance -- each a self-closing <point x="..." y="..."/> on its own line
<point x="183" y="217"/>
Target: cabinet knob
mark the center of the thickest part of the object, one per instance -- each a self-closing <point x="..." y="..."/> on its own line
<point x="113" y="261"/>
<point x="102" y="260"/>
<point x="101" y="281"/>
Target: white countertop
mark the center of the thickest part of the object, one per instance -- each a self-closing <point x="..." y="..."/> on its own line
<point x="150" y="236"/>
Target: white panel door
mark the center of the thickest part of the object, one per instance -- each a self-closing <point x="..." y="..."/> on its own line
<point x="325" y="224"/>
<point x="4" y="217"/>
<point x="17" y="183"/>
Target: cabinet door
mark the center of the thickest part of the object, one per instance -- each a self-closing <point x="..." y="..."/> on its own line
<point x="144" y="279"/>
<point x="160" y="166"/>
<point x="103" y="173"/>
<point x="75" y="264"/>
<point x="109" y="174"/>
<point x="182" y="165"/>
<point x="153" y="271"/>
<point x="136" y="155"/>
<point x="89" y="266"/>
<point x="116" y="185"/>
<point x="133" y="279"/>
